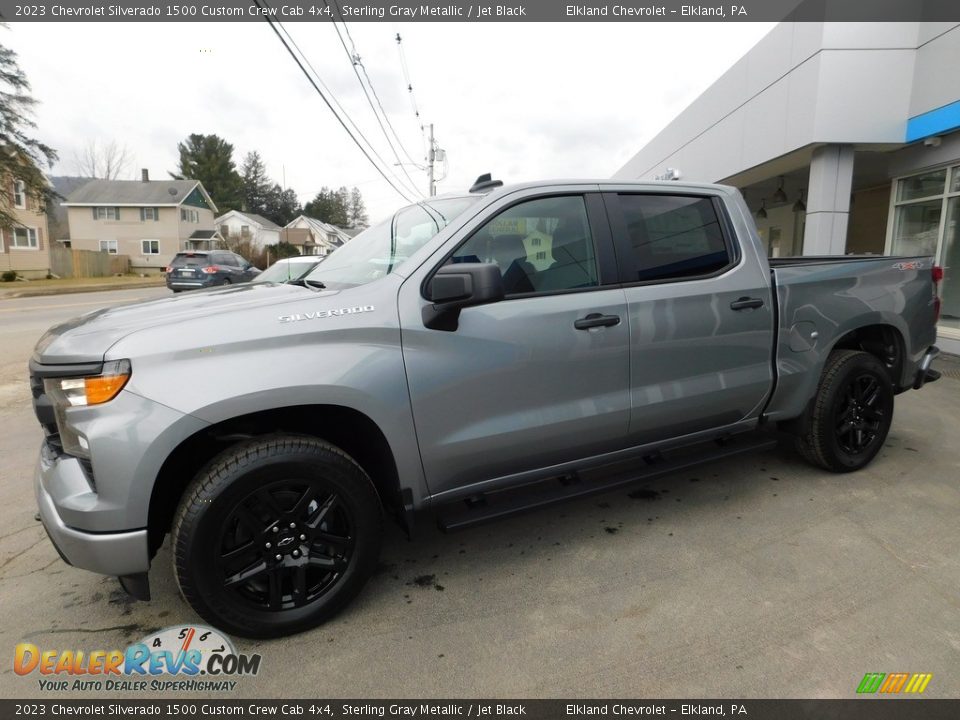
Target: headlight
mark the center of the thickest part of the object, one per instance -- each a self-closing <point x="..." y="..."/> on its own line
<point x="70" y="392"/>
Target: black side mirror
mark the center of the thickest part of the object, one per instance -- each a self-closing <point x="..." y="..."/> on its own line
<point x="459" y="286"/>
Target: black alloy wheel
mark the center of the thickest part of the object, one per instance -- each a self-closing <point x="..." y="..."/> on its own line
<point x="860" y="414"/>
<point x="276" y="535"/>
<point x="285" y="545"/>
<point x="851" y="413"/>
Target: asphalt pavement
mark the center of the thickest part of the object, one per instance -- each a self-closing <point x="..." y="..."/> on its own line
<point x="754" y="577"/>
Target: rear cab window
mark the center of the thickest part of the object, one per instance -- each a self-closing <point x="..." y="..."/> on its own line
<point x="670" y="237"/>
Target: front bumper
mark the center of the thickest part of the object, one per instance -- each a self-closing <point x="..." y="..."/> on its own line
<point x="925" y="374"/>
<point x="107" y="553"/>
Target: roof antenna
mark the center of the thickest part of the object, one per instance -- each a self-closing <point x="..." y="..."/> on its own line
<point x="485" y="182"/>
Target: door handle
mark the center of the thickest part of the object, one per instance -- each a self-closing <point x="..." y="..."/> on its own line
<point x="596" y="320"/>
<point x="746" y="303"/>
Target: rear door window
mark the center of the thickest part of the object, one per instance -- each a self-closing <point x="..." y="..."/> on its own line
<point x="672" y="237"/>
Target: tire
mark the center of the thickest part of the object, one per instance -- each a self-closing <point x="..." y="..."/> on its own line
<point x="297" y="498"/>
<point x="851" y="413"/>
<point x="225" y="281"/>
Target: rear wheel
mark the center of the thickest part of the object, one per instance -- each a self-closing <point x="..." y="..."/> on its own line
<point x="276" y="535"/>
<point x="225" y="281"/>
<point x="851" y="413"/>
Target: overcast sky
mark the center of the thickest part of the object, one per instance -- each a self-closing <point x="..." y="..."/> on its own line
<point x="523" y="100"/>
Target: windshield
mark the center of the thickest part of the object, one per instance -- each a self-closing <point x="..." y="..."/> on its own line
<point x="385" y="247"/>
<point x="284" y="271"/>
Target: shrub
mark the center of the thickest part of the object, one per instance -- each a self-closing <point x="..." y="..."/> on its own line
<point x="9" y="276"/>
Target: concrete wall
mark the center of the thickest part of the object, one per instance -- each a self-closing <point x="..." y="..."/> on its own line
<point x="936" y="82"/>
<point x="805" y="84"/>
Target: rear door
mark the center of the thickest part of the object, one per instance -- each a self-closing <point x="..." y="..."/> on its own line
<point x="700" y="311"/>
<point x="538" y="378"/>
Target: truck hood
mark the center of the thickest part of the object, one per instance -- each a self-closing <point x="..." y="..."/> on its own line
<point x="86" y="338"/>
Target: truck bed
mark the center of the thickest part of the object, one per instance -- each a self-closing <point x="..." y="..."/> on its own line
<point x="825" y="302"/>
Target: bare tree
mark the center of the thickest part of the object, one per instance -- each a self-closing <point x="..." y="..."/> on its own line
<point x="104" y="162"/>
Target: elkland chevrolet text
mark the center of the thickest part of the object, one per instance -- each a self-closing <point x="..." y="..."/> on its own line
<point x="474" y="354"/>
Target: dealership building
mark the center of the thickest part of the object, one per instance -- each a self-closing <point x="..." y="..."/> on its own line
<point x="843" y="137"/>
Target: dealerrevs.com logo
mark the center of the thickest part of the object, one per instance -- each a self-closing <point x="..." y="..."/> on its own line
<point x="178" y="658"/>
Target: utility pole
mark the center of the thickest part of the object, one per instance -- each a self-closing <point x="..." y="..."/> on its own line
<point x="431" y="155"/>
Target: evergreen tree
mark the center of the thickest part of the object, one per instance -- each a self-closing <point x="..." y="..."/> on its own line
<point x="209" y="159"/>
<point x="330" y="206"/>
<point x="358" y="210"/>
<point x="282" y="206"/>
<point x="256" y="184"/>
<point x="23" y="154"/>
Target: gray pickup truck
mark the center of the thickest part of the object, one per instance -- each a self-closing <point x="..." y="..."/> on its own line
<point x="475" y="354"/>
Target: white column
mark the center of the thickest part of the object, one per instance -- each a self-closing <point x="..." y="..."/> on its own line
<point x="828" y="200"/>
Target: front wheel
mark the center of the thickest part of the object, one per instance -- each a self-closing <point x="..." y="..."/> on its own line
<point x="851" y="413"/>
<point x="276" y="535"/>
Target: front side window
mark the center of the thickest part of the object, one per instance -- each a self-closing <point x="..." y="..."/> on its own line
<point x="108" y="246"/>
<point x="542" y="245"/>
<point x="25" y="238"/>
<point x="673" y="237"/>
<point x="19" y="194"/>
<point x="150" y="247"/>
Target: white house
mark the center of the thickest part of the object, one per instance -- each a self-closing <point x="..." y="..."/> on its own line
<point x="246" y="226"/>
<point x="313" y="237"/>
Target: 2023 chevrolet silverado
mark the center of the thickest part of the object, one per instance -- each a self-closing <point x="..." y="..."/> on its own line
<point x="479" y="353"/>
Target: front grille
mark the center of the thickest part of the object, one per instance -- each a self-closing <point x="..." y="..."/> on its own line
<point x="43" y="409"/>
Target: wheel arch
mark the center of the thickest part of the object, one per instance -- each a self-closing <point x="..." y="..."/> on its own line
<point x="349" y="429"/>
<point x="883" y="340"/>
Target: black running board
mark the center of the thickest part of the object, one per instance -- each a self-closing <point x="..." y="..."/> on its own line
<point x="506" y="503"/>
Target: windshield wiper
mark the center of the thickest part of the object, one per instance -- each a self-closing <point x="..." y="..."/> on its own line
<point x="304" y="282"/>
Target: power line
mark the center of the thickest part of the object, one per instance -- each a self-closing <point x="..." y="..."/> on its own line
<point x="373" y="89"/>
<point x="273" y="26"/>
<point x="354" y="59"/>
<point x="413" y="99"/>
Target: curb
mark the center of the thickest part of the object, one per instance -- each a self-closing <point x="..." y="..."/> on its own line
<point x="42" y="292"/>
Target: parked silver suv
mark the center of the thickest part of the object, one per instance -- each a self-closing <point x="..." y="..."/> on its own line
<point x="474" y="354"/>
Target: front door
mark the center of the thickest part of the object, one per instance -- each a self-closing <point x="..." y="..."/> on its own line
<point x="538" y="378"/>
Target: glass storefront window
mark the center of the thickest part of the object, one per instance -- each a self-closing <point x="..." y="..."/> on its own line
<point x="926" y="221"/>
<point x="950" y="260"/>
<point x="928" y="184"/>
<point x="916" y="228"/>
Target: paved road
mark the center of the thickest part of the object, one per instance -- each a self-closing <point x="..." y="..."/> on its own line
<point x="757" y="577"/>
<point x="24" y="320"/>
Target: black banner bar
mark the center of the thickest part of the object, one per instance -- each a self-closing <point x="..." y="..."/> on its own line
<point x="873" y="708"/>
<point x="479" y="10"/>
